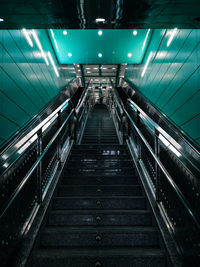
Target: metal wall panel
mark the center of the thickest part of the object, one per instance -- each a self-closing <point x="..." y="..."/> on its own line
<point x="171" y="81"/>
<point x="27" y="84"/>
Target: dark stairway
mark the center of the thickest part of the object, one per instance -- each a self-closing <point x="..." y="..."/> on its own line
<point x="100" y="127"/>
<point x="99" y="215"/>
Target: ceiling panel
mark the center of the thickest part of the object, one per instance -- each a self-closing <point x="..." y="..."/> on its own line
<point x="88" y="47"/>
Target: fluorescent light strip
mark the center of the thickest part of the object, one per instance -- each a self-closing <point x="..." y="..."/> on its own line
<point x="53" y="64"/>
<point x="146" y="65"/>
<point x="55" y="42"/>
<point x="40" y="46"/>
<point x="145" y="40"/>
<point x="28" y="39"/>
<point x="172" y="36"/>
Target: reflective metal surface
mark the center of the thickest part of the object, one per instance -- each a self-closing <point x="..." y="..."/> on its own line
<point x="174" y="187"/>
<point x="190" y="154"/>
<point x="81" y="14"/>
<point x="9" y="153"/>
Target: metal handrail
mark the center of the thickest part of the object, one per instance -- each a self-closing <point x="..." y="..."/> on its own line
<point x="165" y="172"/>
<point x="157" y="160"/>
<point x="33" y="168"/>
<point x="34" y="131"/>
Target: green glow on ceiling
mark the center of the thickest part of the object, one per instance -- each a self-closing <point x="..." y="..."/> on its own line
<point x="84" y="46"/>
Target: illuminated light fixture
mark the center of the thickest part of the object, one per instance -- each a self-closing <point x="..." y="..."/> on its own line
<point x="146" y="65"/>
<point x="53" y="64"/>
<point x="134" y="32"/>
<point x="40" y="46"/>
<point x="99" y="55"/>
<point x="113" y="68"/>
<point x="100" y="32"/>
<point x="69" y="54"/>
<point x="172" y="36"/>
<point x="145" y="40"/>
<point x="100" y="20"/>
<point x="104" y="68"/>
<point x="28" y="38"/>
<point x="167" y="144"/>
<point x="78" y="66"/>
<point x="95" y="68"/>
<point x="1" y="20"/>
<point x="88" y="71"/>
<point x="55" y="42"/>
<point x="96" y="80"/>
<point x="88" y="68"/>
<point x="129" y="55"/>
<point x="65" y="32"/>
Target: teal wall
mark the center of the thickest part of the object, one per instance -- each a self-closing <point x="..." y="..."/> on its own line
<point x="172" y="80"/>
<point x="27" y="84"/>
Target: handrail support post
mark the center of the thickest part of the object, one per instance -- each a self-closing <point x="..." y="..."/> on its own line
<point x="157" y="169"/>
<point x="39" y="167"/>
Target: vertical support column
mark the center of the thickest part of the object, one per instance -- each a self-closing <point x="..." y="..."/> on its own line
<point x="59" y="137"/>
<point x="157" y="169"/>
<point x="75" y="127"/>
<point x="124" y="128"/>
<point x="138" y="138"/>
<point x="39" y="167"/>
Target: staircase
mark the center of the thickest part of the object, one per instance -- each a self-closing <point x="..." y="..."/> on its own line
<point x="99" y="215"/>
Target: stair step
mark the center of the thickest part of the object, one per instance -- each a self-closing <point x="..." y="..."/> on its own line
<point x="90" y="190"/>
<point x="99" y="164"/>
<point x="108" y="257"/>
<point x="96" y="147"/>
<point x="100" y="203"/>
<point x="101" y="218"/>
<point x="98" y="237"/>
<point x="100" y="171"/>
<point x="105" y="152"/>
<point x="95" y="180"/>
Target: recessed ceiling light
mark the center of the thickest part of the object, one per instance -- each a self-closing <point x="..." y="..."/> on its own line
<point x="113" y="68"/>
<point x="95" y="68"/>
<point x="99" y="55"/>
<point x="100" y="32"/>
<point x="87" y="68"/>
<point x="88" y="71"/>
<point x="134" y="32"/>
<point x="65" y="32"/>
<point x="129" y="55"/>
<point x="69" y="54"/>
<point x="104" y="68"/>
<point x="1" y="19"/>
<point x="100" y="20"/>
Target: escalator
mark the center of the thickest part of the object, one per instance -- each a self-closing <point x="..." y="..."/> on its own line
<point x="99" y="214"/>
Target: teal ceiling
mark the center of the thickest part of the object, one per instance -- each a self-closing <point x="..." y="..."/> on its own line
<point x="83" y="46"/>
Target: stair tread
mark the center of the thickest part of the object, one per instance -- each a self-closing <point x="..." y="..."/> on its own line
<point x="109" y="212"/>
<point x="106" y="229"/>
<point x="100" y="197"/>
<point x="61" y="252"/>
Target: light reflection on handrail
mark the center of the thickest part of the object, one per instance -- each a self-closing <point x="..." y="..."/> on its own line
<point x="26" y="139"/>
<point x="161" y="166"/>
<point x="33" y="168"/>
